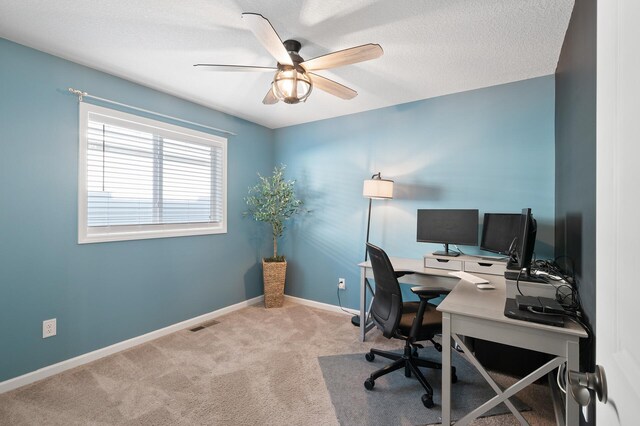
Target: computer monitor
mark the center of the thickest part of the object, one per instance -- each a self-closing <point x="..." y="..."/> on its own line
<point x="520" y="262"/>
<point x="448" y="226"/>
<point x="499" y="232"/>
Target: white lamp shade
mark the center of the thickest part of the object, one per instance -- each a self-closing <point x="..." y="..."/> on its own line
<point x="377" y="188"/>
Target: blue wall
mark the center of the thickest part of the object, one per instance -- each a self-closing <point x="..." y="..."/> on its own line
<point x="491" y="149"/>
<point x="102" y="293"/>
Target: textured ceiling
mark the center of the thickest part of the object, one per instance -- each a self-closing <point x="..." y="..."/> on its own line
<point x="431" y="47"/>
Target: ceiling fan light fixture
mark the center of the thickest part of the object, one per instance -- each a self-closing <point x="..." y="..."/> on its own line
<point x="293" y="80"/>
<point x="291" y="86"/>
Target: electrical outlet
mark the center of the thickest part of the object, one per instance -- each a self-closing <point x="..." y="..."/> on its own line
<point x="342" y="284"/>
<point x="48" y="328"/>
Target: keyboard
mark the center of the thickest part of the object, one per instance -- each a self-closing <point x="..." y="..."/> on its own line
<point x="468" y="277"/>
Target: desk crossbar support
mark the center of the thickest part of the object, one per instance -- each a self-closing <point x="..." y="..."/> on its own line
<point x="488" y="378"/>
<point x="515" y="388"/>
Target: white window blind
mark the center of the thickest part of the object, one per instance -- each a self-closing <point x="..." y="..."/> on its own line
<point x="146" y="179"/>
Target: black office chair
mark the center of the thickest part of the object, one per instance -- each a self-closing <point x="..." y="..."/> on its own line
<point x="409" y="321"/>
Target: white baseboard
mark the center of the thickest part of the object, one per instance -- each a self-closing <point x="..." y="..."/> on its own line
<point x="320" y="305"/>
<point x="59" y="367"/>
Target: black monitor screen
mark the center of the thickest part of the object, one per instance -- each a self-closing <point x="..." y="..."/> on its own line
<point x="448" y="226"/>
<point x="527" y="235"/>
<point x="499" y="231"/>
<point x="520" y="262"/>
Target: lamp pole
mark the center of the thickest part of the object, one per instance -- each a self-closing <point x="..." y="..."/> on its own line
<point x="371" y="193"/>
<point x="366" y="253"/>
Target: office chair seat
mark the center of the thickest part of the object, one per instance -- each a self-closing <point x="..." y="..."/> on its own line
<point x="431" y="321"/>
<point x="408" y="321"/>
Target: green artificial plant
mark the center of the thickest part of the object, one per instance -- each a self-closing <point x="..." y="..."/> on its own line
<point x="273" y="201"/>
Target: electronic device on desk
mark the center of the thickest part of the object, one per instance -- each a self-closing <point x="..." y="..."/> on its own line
<point x="512" y="310"/>
<point x="448" y="226"/>
<point x="481" y="283"/>
<point x="485" y="286"/>
<point x="546" y="305"/>
<point x="499" y="231"/>
<point x="521" y="251"/>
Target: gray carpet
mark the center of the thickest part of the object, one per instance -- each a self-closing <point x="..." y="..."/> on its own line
<point x="255" y="367"/>
<point x="395" y="400"/>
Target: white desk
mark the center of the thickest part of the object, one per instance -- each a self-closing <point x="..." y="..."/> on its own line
<point x="468" y="311"/>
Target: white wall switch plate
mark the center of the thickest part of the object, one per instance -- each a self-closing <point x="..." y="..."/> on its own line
<point x="49" y="328"/>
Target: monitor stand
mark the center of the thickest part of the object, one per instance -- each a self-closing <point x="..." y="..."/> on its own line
<point x="446" y="252"/>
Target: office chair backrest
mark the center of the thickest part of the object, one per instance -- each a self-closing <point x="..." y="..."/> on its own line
<point x="386" y="309"/>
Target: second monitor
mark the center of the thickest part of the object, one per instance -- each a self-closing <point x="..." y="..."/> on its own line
<point x="500" y="232"/>
<point x="448" y="226"/>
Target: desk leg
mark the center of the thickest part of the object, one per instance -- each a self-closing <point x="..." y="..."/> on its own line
<point x="446" y="369"/>
<point x="363" y="304"/>
<point x="572" y="410"/>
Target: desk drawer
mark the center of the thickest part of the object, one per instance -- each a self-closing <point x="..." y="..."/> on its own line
<point x="491" y="268"/>
<point x="453" y="265"/>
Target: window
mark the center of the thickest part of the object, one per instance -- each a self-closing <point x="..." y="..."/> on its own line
<point x="141" y="178"/>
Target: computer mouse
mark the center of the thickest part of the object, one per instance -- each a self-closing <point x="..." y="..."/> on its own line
<point x="485" y="286"/>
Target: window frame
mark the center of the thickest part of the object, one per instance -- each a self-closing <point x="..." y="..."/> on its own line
<point x="100" y="234"/>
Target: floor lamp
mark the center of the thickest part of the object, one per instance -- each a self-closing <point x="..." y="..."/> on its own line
<point x="378" y="189"/>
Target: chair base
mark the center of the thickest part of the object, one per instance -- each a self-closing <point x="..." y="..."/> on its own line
<point x="410" y="362"/>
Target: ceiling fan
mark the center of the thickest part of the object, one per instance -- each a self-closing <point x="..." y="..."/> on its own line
<point x="294" y="79"/>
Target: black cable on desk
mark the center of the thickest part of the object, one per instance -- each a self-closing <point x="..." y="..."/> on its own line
<point x="518" y="282"/>
<point x="458" y="249"/>
<point x="567" y="293"/>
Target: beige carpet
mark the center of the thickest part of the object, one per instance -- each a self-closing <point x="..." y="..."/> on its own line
<point x="255" y="367"/>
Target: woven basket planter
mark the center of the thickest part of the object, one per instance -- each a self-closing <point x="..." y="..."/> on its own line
<point x="273" y="276"/>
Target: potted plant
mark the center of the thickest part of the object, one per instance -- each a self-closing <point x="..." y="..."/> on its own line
<point x="272" y="200"/>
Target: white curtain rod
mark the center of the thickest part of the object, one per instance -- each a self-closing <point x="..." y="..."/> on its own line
<point x="80" y="94"/>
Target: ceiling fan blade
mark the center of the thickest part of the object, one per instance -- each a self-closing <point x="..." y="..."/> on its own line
<point x="267" y="35"/>
<point x="270" y="98"/>
<point x="332" y="87"/>
<point x="352" y="55"/>
<point x="248" y="68"/>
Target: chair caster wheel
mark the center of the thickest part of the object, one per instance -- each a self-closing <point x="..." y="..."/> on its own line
<point x="369" y="356"/>
<point x="369" y="384"/>
<point x="414" y="353"/>
<point x="454" y="377"/>
<point x="427" y="400"/>
<point x="438" y="346"/>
